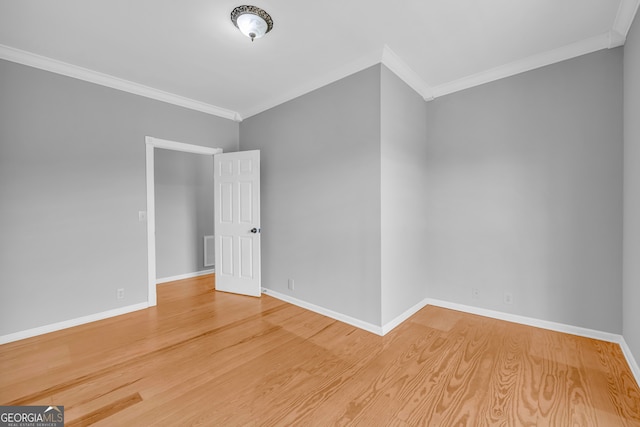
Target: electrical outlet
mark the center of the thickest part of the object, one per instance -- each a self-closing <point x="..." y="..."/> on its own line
<point x="291" y="284"/>
<point x="120" y="293"/>
<point x="475" y="293"/>
<point x="508" y="298"/>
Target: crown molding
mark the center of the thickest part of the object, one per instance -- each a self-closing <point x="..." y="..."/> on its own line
<point x="615" y="39"/>
<point x="91" y="76"/>
<point x="384" y="56"/>
<point x="624" y="18"/>
<point x="527" y="64"/>
<point x="352" y="67"/>
<point x="625" y="15"/>
<point x="400" y="68"/>
<point x="405" y="73"/>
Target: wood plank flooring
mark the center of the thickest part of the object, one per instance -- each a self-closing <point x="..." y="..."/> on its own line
<point x="213" y="359"/>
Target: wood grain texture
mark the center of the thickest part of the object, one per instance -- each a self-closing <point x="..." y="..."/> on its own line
<point x="209" y="358"/>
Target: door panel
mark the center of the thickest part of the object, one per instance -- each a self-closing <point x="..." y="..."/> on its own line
<point x="237" y="222"/>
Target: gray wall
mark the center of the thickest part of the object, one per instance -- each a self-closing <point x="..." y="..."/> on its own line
<point x="524" y="187"/>
<point x="517" y="187"/>
<point x="72" y="180"/>
<point x="184" y="211"/>
<point x="320" y="159"/>
<point x="403" y="201"/>
<point x="631" y="291"/>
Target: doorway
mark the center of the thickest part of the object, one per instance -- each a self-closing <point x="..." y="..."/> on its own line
<point x="151" y="145"/>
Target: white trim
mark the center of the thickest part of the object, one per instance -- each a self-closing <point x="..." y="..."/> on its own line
<point x="352" y="67"/>
<point x="180" y="146"/>
<point x="184" y="276"/>
<point x="552" y="326"/>
<point x="80" y="73"/>
<point x="405" y="73"/>
<point x="522" y="320"/>
<point x="527" y="64"/>
<point x="400" y="68"/>
<point x="4" y="339"/>
<point x="152" y="296"/>
<point x="615" y="39"/>
<point x="151" y="144"/>
<point x="369" y="327"/>
<point x="624" y="17"/>
<point x="635" y="369"/>
<point x="389" y="326"/>
<point x="386" y="56"/>
<point x="529" y="321"/>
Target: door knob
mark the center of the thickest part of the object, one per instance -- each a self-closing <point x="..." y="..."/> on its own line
<point x="255" y="230"/>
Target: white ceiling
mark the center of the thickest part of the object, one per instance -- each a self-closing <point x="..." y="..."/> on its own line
<point x="188" y="52"/>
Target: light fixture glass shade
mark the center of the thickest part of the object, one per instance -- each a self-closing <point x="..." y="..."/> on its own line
<point x="252" y="25"/>
<point x="252" y="21"/>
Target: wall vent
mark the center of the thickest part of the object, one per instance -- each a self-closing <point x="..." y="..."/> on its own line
<point x="209" y="251"/>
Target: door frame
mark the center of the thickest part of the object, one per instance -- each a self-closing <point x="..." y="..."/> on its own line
<point x="151" y="144"/>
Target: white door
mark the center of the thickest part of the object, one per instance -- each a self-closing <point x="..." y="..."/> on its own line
<point x="237" y="222"/>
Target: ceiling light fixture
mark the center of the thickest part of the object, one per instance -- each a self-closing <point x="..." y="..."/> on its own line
<point x="252" y="21"/>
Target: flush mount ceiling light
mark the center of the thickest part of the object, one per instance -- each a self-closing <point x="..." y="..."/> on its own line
<point x="252" y="21"/>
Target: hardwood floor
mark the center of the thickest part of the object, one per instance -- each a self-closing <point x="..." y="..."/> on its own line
<point x="208" y="358"/>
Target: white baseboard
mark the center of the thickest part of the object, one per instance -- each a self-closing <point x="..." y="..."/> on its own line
<point x="633" y="364"/>
<point x="325" y="312"/>
<point x="523" y="320"/>
<point x="370" y="327"/>
<point x="404" y="316"/>
<point x="184" y="276"/>
<point x="378" y="330"/>
<point x="552" y="326"/>
<point x="16" y="336"/>
<point x="530" y="321"/>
